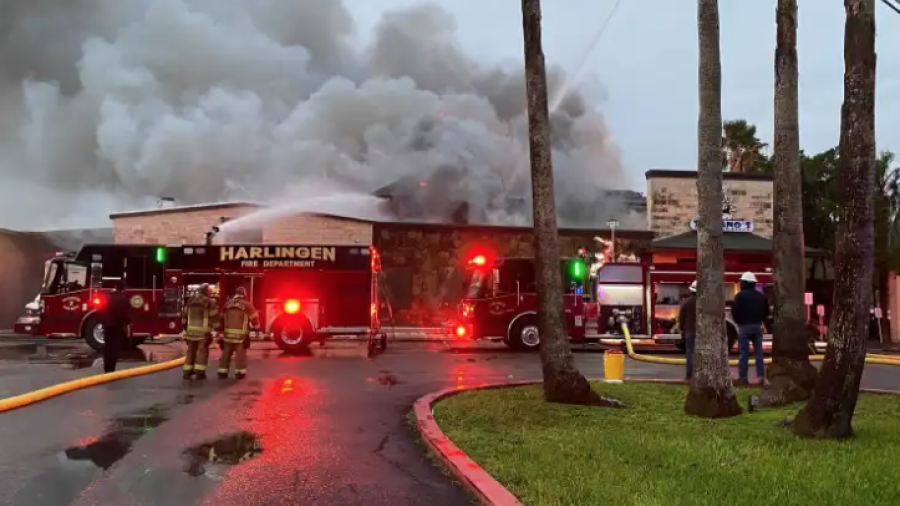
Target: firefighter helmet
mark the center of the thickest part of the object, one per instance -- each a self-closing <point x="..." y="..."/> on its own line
<point x="240" y="292"/>
<point x="748" y="277"/>
<point x="205" y="289"/>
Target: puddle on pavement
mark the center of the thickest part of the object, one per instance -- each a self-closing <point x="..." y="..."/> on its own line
<point x="245" y="393"/>
<point x="185" y="399"/>
<point x="210" y="459"/>
<point x="385" y="378"/>
<point x="119" y="438"/>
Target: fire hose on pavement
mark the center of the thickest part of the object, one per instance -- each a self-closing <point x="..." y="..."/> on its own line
<point x="870" y="359"/>
<point x="18" y="401"/>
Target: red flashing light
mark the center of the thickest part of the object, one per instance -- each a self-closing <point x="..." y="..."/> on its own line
<point x="480" y="261"/>
<point x="460" y="331"/>
<point x="292" y="306"/>
<point x="98" y="301"/>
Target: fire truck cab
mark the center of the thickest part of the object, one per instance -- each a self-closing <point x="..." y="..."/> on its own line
<point x="500" y="302"/>
<point x="75" y="287"/>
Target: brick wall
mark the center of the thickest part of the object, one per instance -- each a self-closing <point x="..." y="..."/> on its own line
<point x="189" y="226"/>
<point x="672" y="201"/>
<point x="315" y="229"/>
<point x="172" y="226"/>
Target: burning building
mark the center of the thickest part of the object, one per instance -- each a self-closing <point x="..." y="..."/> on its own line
<point x="421" y="254"/>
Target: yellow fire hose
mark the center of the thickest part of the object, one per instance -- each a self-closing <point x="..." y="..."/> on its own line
<point x="25" y="399"/>
<point x="870" y="359"/>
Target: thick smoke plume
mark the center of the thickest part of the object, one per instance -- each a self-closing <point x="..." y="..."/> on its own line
<point x="107" y="105"/>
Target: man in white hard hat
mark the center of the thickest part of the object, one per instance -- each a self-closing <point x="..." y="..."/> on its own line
<point x="687" y="321"/>
<point x="749" y="310"/>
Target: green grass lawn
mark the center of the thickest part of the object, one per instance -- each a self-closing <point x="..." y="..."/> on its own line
<point x="651" y="454"/>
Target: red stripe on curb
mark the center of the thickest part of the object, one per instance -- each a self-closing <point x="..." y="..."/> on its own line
<point x="477" y="481"/>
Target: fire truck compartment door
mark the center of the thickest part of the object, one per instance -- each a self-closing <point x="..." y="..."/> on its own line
<point x="275" y="308"/>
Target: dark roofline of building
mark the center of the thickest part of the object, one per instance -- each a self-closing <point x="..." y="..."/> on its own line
<point x="623" y="233"/>
<point x="62" y="231"/>
<point x="692" y="174"/>
<point x="604" y="231"/>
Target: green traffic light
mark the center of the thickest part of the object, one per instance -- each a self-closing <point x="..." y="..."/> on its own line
<point x="161" y="254"/>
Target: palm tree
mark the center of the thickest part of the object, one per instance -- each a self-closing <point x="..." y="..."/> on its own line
<point x="742" y="150"/>
<point x="791" y="376"/>
<point x="563" y="382"/>
<point x="711" y="394"/>
<point x="829" y="412"/>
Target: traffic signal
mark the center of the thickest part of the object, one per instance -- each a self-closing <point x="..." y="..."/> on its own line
<point x="161" y="254"/>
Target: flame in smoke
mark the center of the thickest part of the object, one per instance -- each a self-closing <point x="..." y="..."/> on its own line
<point x="209" y="100"/>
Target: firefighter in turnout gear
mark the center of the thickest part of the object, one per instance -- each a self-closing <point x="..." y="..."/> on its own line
<point x="239" y="319"/>
<point x="200" y="319"/>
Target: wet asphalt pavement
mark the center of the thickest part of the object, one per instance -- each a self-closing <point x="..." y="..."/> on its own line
<point x="297" y="431"/>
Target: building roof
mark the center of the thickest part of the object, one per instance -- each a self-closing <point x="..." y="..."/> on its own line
<point x="621" y="233"/>
<point x="181" y="209"/>
<point x="692" y="174"/>
<point x="731" y="241"/>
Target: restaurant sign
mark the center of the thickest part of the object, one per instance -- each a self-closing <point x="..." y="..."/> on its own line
<point x="728" y="225"/>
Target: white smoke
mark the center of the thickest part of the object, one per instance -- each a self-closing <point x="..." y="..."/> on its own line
<point x="108" y="105"/>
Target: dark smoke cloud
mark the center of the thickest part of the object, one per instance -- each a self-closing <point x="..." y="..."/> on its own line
<point x="108" y="105"/>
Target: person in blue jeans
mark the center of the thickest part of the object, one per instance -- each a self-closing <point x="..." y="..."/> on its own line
<point x="749" y="310"/>
<point x="687" y="320"/>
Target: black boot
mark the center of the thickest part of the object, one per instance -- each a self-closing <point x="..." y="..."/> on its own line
<point x="200" y="375"/>
<point x="223" y="375"/>
<point x="187" y="375"/>
<point x="240" y="375"/>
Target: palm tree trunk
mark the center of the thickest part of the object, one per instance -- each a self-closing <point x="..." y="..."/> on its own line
<point x="563" y="382"/>
<point x="791" y="376"/>
<point x="829" y="412"/>
<point x="711" y="394"/>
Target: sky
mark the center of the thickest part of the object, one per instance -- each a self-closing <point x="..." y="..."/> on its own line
<point x="646" y="62"/>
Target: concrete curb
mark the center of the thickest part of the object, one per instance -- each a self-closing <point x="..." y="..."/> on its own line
<point x="476" y="480"/>
<point x="473" y="477"/>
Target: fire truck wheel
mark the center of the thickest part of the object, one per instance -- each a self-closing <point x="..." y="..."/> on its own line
<point x="92" y="333"/>
<point x="293" y="335"/>
<point x="524" y="335"/>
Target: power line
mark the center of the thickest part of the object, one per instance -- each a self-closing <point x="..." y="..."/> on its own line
<point x="894" y="6"/>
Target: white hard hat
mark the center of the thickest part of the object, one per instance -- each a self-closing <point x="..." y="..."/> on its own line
<point x="749" y="277"/>
<point x="694" y="286"/>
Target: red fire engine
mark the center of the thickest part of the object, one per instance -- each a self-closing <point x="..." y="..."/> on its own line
<point x="303" y="293"/>
<point x="500" y="303"/>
